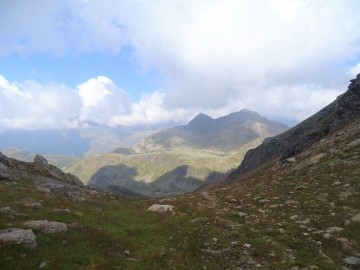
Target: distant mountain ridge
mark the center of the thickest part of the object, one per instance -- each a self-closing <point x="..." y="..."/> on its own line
<point x="225" y="133"/>
<point x="179" y="160"/>
<point x="344" y="110"/>
<point x="77" y="142"/>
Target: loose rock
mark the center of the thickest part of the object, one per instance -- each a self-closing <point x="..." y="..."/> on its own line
<point x="45" y="226"/>
<point x="18" y="237"/>
<point x="161" y="208"/>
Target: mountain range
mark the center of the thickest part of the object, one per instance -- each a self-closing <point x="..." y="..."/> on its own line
<point x="225" y="133"/>
<point x="180" y="159"/>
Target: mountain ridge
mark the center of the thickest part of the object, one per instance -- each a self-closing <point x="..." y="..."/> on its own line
<point x="328" y="120"/>
<point x="225" y="133"/>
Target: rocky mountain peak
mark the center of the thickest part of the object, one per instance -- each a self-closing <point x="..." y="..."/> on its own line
<point x="200" y="122"/>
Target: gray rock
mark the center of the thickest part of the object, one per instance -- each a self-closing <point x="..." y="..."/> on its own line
<point x="352" y="261"/>
<point x="342" y="240"/>
<point x="161" y="208"/>
<point x="7" y="210"/>
<point x="42" y="265"/>
<point x="43" y="189"/>
<point x="40" y="160"/>
<point x="334" y="230"/>
<point x="263" y="201"/>
<point x="45" y="226"/>
<point x="356" y="218"/>
<point x="18" y="237"/>
<point x="290" y="160"/>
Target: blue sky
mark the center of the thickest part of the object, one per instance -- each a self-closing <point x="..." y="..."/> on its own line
<point x="75" y="68"/>
<point x="63" y="62"/>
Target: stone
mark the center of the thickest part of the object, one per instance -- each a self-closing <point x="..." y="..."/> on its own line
<point x="263" y="201"/>
<point x="342" y="240"/>
<point x="40" y="160"/>
<point x="354" y="143"/>
<point x="334" y="230"/>
<point x="45" y="226"/>
<point x="93" y="192"/>
<point x="42" y="265"/>
<point x="43" y="189"/>
<point x="17" y="236"/>
<point x="290" y="160"/>
<point x="247" y="245"/>
<point x="127" y="253"/>
<point x="7" y="210"/>
<point x="356" y="218"/>
<point x="317" y="158"/>
<point x="161" y="208"/>
<point x="352" y="261"/>
<point x="293" y="217"/>
<point x="291" y="202"/>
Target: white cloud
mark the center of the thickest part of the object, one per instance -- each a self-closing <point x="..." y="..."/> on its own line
<point x="283" y="58"/>
<point x="353" y="71"/>
<point x="101" y="100"/>
<point x="31" y="105"/>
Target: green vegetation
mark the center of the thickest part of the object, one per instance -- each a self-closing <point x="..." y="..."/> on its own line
<point x="154" y="165"/>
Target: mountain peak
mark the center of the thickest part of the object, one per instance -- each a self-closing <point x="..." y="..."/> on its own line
<point x="200" y="123"/>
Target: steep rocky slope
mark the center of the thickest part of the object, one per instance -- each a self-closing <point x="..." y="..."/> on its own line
<point x="225" y="133"/>
<point x="330" y="119"/>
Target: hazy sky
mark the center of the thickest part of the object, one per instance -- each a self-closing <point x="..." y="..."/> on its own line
<point x="135" y="62"/>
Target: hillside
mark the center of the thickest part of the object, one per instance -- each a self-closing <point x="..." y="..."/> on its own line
<point x="168" y="171"/>
<point x="180" y="159"/>
<point x="327" y="121"/>
<point x="226" y="133"/>
<point x="299" y="215"/>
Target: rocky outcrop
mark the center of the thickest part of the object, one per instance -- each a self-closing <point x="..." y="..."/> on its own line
<point x="161" y="208"/>
<point x="56" y="172"/>
<point x="341" y="112"/>
<point x="45" y="226"/>
<point x="11" y="169"/>
<point x="18" y="237"/>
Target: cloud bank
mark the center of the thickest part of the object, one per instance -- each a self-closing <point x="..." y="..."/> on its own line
<point x="285" y="59"/>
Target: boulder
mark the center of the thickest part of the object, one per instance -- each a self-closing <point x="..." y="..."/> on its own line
<point x="161" y="208"/>
<point x="356" y="218"/>
<point x="18" y="237"/>
<point x="40" y="160"/>
<point x="45" y="226"/>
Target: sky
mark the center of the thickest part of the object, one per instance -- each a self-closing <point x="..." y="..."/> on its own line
<point x="129" y="62"/>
